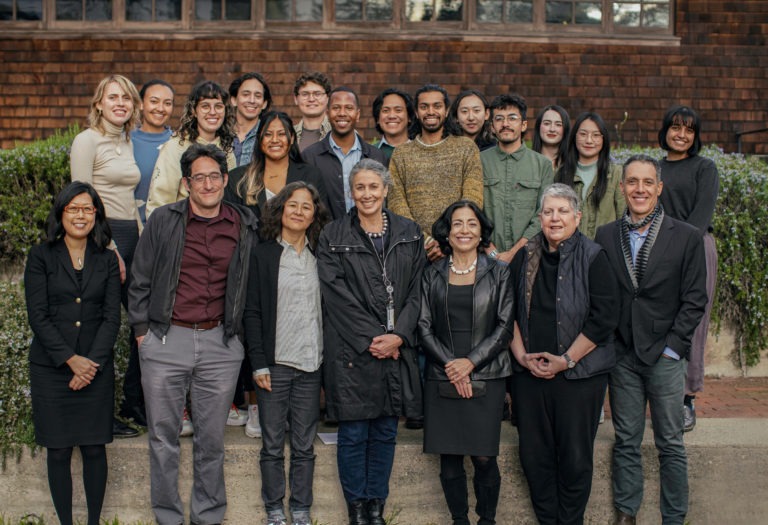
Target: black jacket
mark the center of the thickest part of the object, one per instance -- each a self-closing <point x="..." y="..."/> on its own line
<point x="297" y="171"/>
<point x="493" y="320"/>
<point x="358" y="385"/>
<point x="670" y="302"/>
<point x="322" y="156"/>
<point x="260" y="318"/>
<point x="157" y="263"/>
<point x="67" y="318"/>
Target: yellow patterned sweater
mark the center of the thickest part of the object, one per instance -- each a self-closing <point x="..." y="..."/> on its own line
<point x="426" y="179"/>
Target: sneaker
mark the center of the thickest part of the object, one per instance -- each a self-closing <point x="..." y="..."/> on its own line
<point x="236" y="418"/>
<point x="186" y="425"/>
<point x="689" y="417"/>
<point x="301" y="517"/>
<point x="276" y="517"/>
<point x="252" y="427"/>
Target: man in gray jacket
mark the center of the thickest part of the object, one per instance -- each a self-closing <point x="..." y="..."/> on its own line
<point x="186" y="304"/>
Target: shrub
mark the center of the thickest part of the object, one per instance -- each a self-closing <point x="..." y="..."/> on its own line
<point x="30" y="176"/>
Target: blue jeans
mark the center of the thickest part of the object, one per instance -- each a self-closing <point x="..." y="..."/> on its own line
<point x="296" y="393"/>
<point x="633" y="385"/>
<point x="365" y="453"/>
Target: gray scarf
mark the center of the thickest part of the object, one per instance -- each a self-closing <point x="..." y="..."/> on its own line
<point x="637" y="269"/>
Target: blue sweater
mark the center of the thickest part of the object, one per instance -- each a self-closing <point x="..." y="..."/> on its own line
<point x="146" y="148"/>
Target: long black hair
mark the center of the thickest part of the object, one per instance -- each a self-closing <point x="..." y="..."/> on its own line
<point x="567" y="170"/>
<point x="101" y="234"/>
<point x="252" y="182"/>
<point x="441" y="229"/>
<point x="485" y="135"/>
<point x="272" y="219"/>
<point x="562" y="148"/>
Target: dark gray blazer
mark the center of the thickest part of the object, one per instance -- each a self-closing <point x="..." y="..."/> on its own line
<point x="672" y="294"/>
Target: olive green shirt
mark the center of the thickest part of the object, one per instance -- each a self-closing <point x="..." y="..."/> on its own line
<point x="512" y="189"/>
<point x="612" y="205"/>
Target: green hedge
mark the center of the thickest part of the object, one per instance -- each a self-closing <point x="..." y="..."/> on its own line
<point x="30" y="175"/>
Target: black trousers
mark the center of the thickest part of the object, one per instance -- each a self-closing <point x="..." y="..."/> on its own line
<point x="557" y="422"/>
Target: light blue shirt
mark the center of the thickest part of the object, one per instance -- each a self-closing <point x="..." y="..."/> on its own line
<point x="348" y="161"/>
<point x="636" y="240"/>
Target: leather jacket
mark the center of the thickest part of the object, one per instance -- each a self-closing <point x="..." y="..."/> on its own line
<point x="492" y="320"/>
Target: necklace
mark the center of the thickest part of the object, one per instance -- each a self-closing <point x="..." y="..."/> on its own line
<point x="385" y="225"/>
<point x="461" y="272"/>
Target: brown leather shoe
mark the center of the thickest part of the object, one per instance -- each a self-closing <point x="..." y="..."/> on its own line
<point x="623" y="518"/>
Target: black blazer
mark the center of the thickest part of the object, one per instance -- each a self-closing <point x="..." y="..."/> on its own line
<point x="672" y="294"/>
<point x="297" y="171"/>
<point x="322" y="156"/>
<point x="67" y="318"/>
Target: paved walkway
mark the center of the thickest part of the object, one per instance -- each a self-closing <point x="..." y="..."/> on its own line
<point x="730" y="398"/>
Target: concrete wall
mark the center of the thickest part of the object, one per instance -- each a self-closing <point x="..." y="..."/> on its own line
<point x="718" y="66"/>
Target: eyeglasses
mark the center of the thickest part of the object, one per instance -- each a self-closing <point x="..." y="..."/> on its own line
<point x="584" y="135"/>
<point x="311" y="94"/>
<point x="77" y="210"/>
<point x="212" y="108"/>
<point x="501" y="119"/>
<point x="199" y="179"/>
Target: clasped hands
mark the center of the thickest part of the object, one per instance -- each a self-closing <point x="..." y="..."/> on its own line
<point x="386" y="346"/>
<point x="544" y="364"/>
<point x="84" y="370"/>
<point x="458" y="372"/>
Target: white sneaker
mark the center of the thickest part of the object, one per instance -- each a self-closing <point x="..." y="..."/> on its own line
<point x="252" y="427"/>
<point x="236" y="418"/>
<point x="186" y="425"/>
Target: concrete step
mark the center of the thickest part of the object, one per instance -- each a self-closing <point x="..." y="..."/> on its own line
<point x="728" y="470"/>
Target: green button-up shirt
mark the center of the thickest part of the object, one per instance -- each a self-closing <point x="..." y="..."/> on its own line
<point x="512" y="188"/>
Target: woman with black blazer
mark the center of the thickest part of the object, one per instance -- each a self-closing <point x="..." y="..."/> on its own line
<point x="465" y="326"/>
<point x="72" y="286"/>
<point x="284" y="335"/>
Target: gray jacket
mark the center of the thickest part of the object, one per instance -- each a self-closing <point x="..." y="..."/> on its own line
<point x="157" y="263"/>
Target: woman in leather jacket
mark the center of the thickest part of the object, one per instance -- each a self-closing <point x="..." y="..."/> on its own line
<point x="466" y="322"/>
<point x="370" y="264"/>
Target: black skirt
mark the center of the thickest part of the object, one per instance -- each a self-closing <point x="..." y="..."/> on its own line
<point x="463" y="426"/>
<point x="66" y="418"/>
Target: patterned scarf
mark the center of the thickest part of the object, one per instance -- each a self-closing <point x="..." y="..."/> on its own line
<point x="637" y="269"/>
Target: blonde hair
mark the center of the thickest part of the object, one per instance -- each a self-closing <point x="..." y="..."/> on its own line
<point x="95" y="117"/>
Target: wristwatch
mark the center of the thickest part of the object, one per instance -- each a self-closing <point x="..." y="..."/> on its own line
<point x="571" y="363"/>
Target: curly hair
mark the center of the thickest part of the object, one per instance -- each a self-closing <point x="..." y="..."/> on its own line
<point x="272" y="219"/>
<point x="188" y="129"/>
<point x="95" y="118"/>
<point x="441" y="229"/>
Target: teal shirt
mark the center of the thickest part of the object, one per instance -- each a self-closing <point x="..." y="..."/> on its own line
<point x="512" y="188"/>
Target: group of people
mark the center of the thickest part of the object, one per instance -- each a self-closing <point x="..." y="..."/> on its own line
<point x="424" y="276"/>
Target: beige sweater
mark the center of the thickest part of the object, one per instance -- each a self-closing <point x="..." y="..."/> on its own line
<point x="166" y="186"/>
<point x="426" y="179"/>
<point x="106" y="162"/>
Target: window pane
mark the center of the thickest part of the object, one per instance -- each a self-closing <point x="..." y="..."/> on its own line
<point x="238" y="10"/>
<point x="349" y="10"/>
<point x="69" y="10"/>
<point x="309" y="10"/>
<point x="559" y="12"/>
<point x="627" y="15"/>
<point x="138" y="10"/>
<point x="29" y="10"/>
<point x="418" y="10"/>
<point x="278" y="10"/>
<point x="656" y="15"/>
<point x="450" y="9"/>
<point x="208" y="9"/>
<point x="588" y="13"/>
<point x="489" y="10"/>
<point x="378" y="10"/>
<point x="168" y="10"/>
<point x="426" y="10"/>
<point x="98" y="9"/>
<point x="6" y="9"/>
<point x="520" y="11"/>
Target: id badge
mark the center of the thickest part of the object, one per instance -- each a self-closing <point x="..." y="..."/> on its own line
<point x="390" y="318"/>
